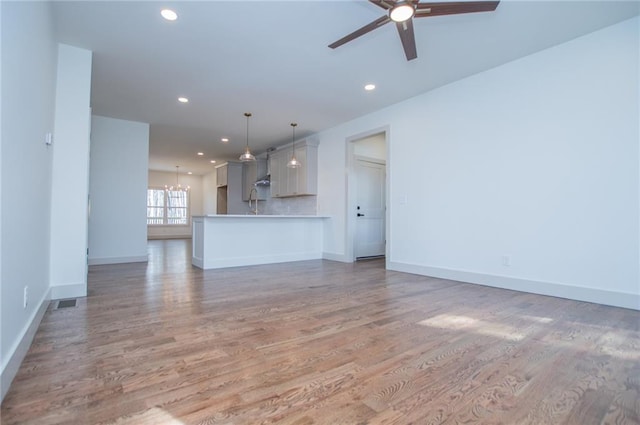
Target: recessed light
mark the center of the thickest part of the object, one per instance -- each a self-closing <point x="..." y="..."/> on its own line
<point x="224" y="140"/>
<point x="200" y="153"/>
<point x="370" y="87"/>
<point x="169" y="14"/>
<point x="213" y="161"/>
<point x="183" y="100"/>
<point x="189" y="173"/>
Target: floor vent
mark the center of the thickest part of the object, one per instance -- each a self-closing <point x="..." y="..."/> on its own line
<point x="66" y="303"/>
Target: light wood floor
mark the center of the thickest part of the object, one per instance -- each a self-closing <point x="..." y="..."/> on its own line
<point x="319" y="342"/>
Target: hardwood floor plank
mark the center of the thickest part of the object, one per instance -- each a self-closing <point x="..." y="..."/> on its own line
<point x="320" y="342"/>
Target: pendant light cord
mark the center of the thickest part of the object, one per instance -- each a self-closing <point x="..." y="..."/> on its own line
<point x="293" y="139"/>
<point x="247" y="114"/>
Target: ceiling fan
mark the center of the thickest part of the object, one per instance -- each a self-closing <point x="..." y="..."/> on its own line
<point x="402" y="13"/>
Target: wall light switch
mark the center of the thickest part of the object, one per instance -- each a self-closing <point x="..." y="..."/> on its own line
<point x="48" y="139"/>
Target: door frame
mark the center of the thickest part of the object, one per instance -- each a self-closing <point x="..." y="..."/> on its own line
<point x="376" y="161"/>
<point x="351" y="200"/>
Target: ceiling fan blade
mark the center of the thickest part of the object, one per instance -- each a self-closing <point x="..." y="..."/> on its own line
<point x="408" y="38"/>
<point x="424" y="10"/>
<point x="385" y="4"/>
<point x="357" y="33"/>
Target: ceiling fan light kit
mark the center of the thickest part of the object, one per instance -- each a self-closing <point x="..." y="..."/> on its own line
<point x="402" y="12"/>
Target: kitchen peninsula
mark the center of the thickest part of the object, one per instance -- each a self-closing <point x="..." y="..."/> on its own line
<point x="242" y="240"/>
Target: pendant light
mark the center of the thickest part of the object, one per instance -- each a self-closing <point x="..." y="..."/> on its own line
<point x="178" y="187"/>
<point x="247" y="156"/>
<point x="293" y="162"/>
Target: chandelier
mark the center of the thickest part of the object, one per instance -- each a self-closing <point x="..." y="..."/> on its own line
<point x="178" y="187"/>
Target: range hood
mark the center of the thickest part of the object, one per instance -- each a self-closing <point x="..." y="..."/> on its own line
<point x="265" y="180"/>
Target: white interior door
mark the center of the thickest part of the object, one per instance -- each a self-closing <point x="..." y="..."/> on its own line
<point x="370" y="209"/>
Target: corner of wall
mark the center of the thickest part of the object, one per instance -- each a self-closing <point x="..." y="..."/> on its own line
<point x="72" y="290"/>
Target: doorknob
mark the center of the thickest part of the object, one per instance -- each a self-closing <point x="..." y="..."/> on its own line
<point x="360" y="215"/>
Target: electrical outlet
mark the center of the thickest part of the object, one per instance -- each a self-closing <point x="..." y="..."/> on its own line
<point x="506" y="260"/>
<point x="26" y="297"/>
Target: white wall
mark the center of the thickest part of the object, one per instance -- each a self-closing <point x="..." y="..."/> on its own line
<point x="70" y="177"/>
<point x="536" y="160"/>
<point x="2" y="356"/>
<point x="118" y="189"/>
<point x="28" y="60"/>
<point x="158" y="179"/>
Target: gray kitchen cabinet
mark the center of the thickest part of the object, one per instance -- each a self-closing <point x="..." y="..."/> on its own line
<point x="221" y="175"/>
<point x="229" y="182"/>
<point x="274" y="165"/>
<point x="287" y="182"/>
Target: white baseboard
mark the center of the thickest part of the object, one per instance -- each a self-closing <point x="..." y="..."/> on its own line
<point x="161" y="237"/>
<point x="579" y="293"/>
<point x="117" y="260"/>
<point x="256" y="260"/>
<point x="336" y="257"/>
<point x="198" y="262"/>
<point x="20" y="349"/>
<point x="75" y="290"/>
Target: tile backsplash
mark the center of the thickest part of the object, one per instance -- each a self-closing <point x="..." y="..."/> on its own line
<point x="298" y="205"/>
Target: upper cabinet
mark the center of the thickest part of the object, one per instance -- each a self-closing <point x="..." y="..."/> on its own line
<point x="221" y="175"/>
<point x="286" y="182"/>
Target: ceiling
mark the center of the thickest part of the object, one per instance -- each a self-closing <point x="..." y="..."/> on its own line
<point x="271" y="58"/>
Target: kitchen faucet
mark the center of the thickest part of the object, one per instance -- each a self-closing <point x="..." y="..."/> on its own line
<point x="253" y="191"/>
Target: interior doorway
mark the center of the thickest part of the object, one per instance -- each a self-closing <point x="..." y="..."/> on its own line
<point x="367" y="195"/>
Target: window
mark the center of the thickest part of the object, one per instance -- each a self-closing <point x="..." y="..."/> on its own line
<point x="167" y="207"/>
